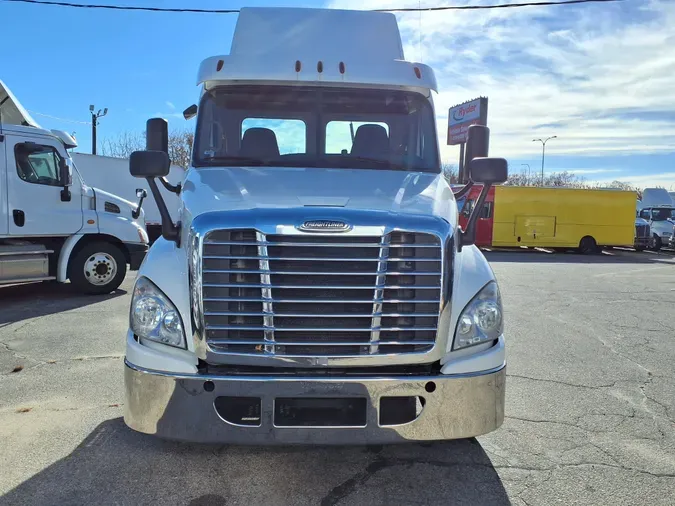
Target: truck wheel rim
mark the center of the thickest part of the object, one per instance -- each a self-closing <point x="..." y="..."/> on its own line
<point x="100" y="269"/>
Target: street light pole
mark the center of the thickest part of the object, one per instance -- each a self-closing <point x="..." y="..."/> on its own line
<point x="528" y="171"/>
<point x="543" y="153"/>
<point x="94" y="122"/>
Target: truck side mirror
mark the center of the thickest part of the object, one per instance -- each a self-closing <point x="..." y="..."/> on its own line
<point x="190" y="112"/>
<point x="489" y="171"/>
<point x="157" y="135"/>
<point x="140" y="194"/>
<point x="149" y="164"/>
<point x="477" y="143"/>
<point x="154" y="163"/>
<point x="484" y="170"/>
<point x="66" y="176"/>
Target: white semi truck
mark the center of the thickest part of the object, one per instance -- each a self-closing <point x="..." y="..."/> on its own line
<point x="317" y="287"/>
<point x="52" y="225"/>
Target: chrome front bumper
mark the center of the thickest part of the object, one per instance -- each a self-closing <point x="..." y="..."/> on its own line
<point x="180" y="407"/>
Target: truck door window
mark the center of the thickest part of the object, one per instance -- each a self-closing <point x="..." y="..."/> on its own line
<point x="291" y="134"/>
<point x="37" y="164"/>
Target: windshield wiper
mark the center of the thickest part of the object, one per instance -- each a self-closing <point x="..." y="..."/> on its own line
<point x="245" y="160"/>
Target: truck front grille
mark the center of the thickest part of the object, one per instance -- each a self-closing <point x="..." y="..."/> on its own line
<point x="642" y="230"/>
<point x="314" y="295"/>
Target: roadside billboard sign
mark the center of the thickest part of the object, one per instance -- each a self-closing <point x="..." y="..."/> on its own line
<point x="462" y="116"/>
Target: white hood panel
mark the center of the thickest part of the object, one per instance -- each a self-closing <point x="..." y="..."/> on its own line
<point x="236" y="188"/>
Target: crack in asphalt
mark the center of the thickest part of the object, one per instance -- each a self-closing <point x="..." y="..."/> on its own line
<point x="575" y="385"/>
<point x="349" y="486"/>
<point x="33" y="409"/>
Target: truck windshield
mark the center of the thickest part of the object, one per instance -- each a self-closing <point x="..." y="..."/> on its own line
<point x="663" y="214"/>
<point x="290" y="126"/>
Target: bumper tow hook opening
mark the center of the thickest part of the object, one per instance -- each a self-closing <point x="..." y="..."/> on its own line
<point x="430" y="386"/>
<point x="209" y="386"/>
<point x="400" y="410"/>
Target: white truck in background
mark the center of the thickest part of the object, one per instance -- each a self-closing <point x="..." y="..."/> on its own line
<point x="657" y="208"/>
<point x="53" y="226"/>
<point x="318" y="288"/>
<point x="112" y="175"/>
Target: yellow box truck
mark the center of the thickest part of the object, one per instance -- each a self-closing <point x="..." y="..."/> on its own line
<point x="563" y="217"/>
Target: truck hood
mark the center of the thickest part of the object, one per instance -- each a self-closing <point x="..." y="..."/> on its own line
<point x="238" y="188"/>
<point x="124" y="205"/>
<point x="660" y="227"/>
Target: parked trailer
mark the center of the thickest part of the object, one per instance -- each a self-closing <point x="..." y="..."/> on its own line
<point x="316" y="291"/>
<point x="514" y="216"/>
<point x="112" y="175"/>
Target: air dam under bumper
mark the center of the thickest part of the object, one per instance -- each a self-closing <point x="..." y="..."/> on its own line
<point x="180" y="407"/>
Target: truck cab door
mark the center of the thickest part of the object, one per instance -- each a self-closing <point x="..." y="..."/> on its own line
<point x="4" y="224"/>
<point x="36" y="206"/>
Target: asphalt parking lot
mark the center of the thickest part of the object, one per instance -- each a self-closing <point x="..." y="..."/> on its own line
<point x="590" y="408"/>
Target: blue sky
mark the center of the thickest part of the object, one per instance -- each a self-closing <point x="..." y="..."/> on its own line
<point x="600" y="77"/>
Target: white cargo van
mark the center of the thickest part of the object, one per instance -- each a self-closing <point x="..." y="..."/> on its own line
<point x="112" y="175"/>
<point x="318" y="288"/>
<point x="52" y="225"/>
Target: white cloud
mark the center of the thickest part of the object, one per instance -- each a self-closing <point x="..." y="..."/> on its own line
<point x="600" y="77"/>
<point x="664" y="179"/>
<point x="583" y="172"/>
<point x="170" y="105"/>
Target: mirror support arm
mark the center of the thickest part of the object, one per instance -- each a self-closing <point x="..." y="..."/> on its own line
<point x="459" y="194"/>
<point x="170" y="232"/>
<point x="467" y="237"/>
<point x="170" y="187"/>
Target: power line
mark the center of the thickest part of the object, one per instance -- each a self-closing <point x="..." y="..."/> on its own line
<point x="235" y="11"/>
<point x="493" y="6"/>
<point x="124" y="7"/>
<point x="59" y="119"/>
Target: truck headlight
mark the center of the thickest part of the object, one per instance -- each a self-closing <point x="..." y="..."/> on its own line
<point x="154" y="317"/>
<point x="481" y="321"/>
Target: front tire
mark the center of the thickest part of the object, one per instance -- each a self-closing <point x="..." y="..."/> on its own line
<point x="657" y="243"/>
<point x="98" y="268"/>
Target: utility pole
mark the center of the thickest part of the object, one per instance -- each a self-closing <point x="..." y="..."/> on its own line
<point x="543" y="152"/>
<point x="94" y="122"/>
<point x="528" y="171"/>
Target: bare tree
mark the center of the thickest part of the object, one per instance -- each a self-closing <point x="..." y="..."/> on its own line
<point x="450" y="172"/>
<point x="122" y="145"/>
<point x="180" y="146"/>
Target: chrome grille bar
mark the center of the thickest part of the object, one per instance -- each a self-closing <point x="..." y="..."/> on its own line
<point x="266" y="281"/>
<point x="379" y="295"/>
<point x="303" y="343"/>
<point x="314" y="244"/>
<point x="311" y="273"/>
<point x="318" y="259"/>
